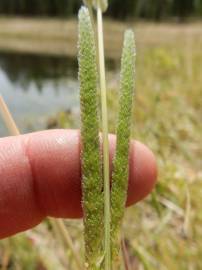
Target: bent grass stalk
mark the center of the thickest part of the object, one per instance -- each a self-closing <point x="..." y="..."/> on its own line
<point x="121" y="160"/>
<point x="91" y="161"/>
<point x="8" y="119"/>
<point x="58" y="224"/>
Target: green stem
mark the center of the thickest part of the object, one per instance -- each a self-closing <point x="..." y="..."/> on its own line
<point x="107" y="218"/>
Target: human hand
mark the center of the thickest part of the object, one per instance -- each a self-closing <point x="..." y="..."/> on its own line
<point x="40" y="176"/>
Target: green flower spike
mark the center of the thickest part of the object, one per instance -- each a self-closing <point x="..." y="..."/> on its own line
<point x="120" y="163"/>
<point x="91" y="161"/>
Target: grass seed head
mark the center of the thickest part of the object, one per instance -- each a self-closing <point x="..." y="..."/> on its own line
<point x="91" y="161"/>
<point x="120" y="163"/>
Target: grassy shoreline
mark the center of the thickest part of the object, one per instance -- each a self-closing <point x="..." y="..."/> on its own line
<point x="59" y="37"/>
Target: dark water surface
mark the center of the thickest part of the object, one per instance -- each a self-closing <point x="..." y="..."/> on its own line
<point x="37" y="87"/>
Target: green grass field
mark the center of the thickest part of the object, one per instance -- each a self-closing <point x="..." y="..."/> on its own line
<point x="165" y="231"/>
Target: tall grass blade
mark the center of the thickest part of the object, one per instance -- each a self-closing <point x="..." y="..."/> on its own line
<point x="91" y="162"/>
<point x="120" y="163"/>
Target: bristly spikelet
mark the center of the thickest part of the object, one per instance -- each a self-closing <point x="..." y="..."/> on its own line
<point x="120" y="162"/>
<point x="91" y="161"/>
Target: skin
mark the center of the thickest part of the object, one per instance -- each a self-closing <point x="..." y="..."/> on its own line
<point x="40" y="176"/>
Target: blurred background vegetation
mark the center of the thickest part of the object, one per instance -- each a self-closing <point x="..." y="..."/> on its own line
<point x="38" y="79"/>
<point x="146" y="9"/>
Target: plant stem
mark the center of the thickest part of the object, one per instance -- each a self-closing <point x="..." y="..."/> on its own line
<point x="59" y="224"/>
<point x="125" y="255"/>
<point x="6" y="256"/>
<point x="67" y="239"/>
<point x="107" y="218"/>
<point x="8" y="119"/>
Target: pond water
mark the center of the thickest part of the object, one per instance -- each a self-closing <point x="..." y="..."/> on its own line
<point x="37" y="87"/>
